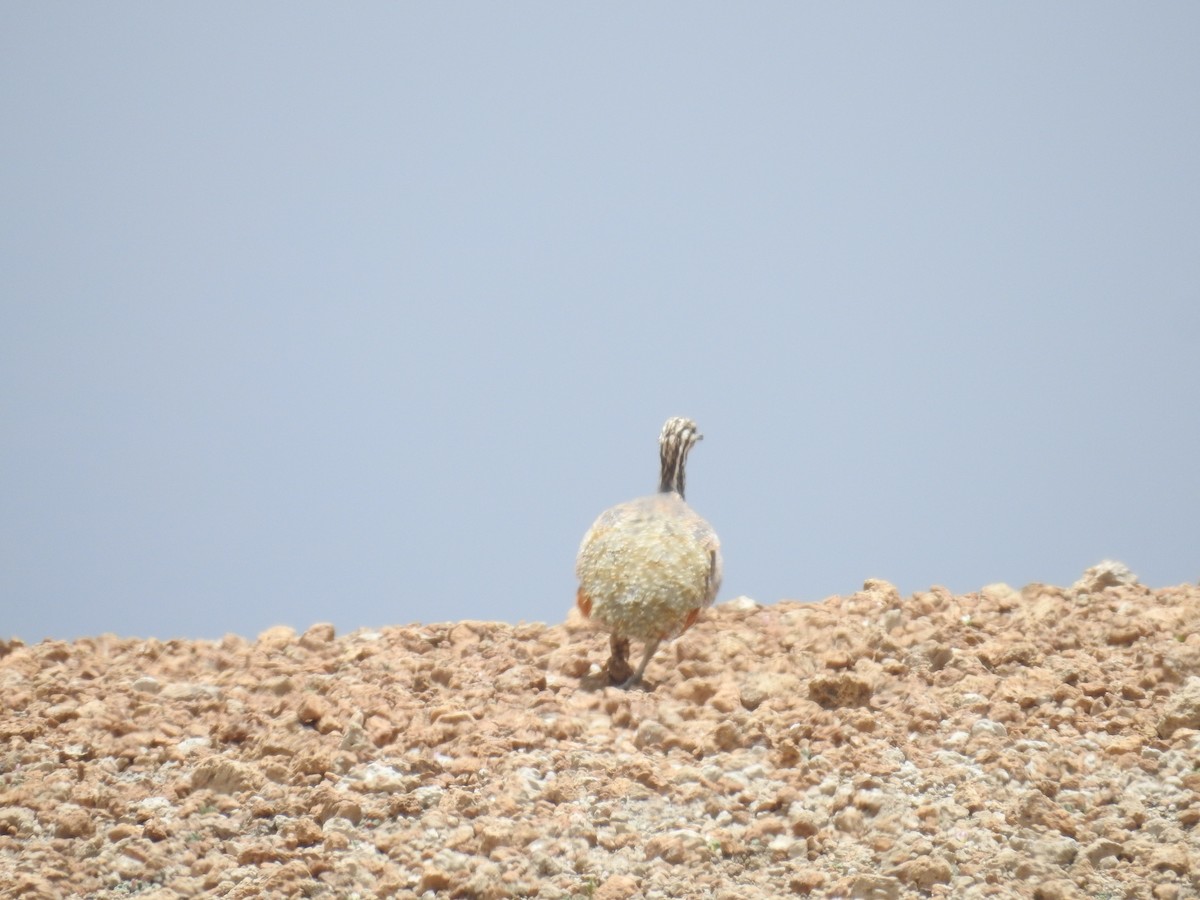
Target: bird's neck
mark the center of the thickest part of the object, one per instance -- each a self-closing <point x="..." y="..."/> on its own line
<point x="671" y="479"/>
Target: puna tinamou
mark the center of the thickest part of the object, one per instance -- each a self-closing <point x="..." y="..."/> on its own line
<point x="647" y="568"/>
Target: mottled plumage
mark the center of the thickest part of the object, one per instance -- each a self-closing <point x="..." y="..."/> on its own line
<point x="647" y="568"/>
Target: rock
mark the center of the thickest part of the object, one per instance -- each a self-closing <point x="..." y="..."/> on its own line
<point x="805" y="881"/>
<point x="354" y="735"/>
<point x="650" y="734"/>
<point x="1182" y="709"/>
<point x="1001" y="594"/>
<point x="741" y="604"/>
<point x="147" y="684"/>
<point x="616" y="887"/>
<point x="312" y="709"/>
<point x="435" y="879"/>
<point x="804" y="822"/>
<point x="72" y="821"/>
<point x="279" y="685"/>
<point x="225" y="776"/>
<point x="988" y="728"/>
<point x="931" y="655"/>
<point x="869" y="887"/>
<point x="1102" y="576"/>
<point x="1005" y="651"/>
<point x="1101" y="849"/>
<point x="842" y="689"/>
<point x="925" y="871"/>
<point x="16" y="821"/>
<point x="761" y="686"/>
<point x="521" y="680"/>
<point x="277" y="637"/>
<point x="883" y="591"/>
<point x="678" y="847"/>
<point x="1056" y="889"/>
<point x="317" y="637"/>
<point x="1058" y="851"/>
<point x="1172" y="858"/>
<point x="191" y="692"/>
<point x="380" y="778"/>
<point x="339" y="810"/>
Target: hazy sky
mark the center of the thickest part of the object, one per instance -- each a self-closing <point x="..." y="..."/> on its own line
<point x="363" y="313"/>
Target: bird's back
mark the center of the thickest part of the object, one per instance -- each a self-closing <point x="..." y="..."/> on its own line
<point x="647" y="567"/>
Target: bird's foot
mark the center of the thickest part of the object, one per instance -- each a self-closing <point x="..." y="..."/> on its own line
<point x="620" y="672"/>
<point x="633" y="681"/>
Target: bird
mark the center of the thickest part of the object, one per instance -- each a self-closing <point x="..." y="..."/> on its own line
<point x="647" y="567"/>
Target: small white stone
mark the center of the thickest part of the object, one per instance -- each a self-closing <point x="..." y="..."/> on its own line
<point x="956" y="739"/>
<point x="781" y="844"/>
<point x="1106" y="574"/>
<point x="385" y="779"/>
<point x="147" y="684"/>
<point x="990" y="728"/>
<point x="741" y="604"/>
<point x="187" y="691"/>
<point x="339" y="825"/>
<point x="891" y="620"/>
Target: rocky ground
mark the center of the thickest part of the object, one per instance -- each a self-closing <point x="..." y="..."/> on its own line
<point x="1042" y="743"/>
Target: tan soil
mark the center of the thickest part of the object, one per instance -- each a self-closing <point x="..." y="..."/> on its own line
<point x="1038" y="743"/>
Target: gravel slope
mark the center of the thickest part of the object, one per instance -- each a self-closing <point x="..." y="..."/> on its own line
<point x="1036" y="743"/>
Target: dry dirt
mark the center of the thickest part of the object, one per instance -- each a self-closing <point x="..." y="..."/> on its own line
<point x="1038" y="743"/>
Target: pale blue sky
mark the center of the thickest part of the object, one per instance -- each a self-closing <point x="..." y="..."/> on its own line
<point x="363" y="313"/>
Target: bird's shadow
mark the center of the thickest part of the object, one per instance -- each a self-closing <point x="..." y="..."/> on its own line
<point x="598" y="681"/>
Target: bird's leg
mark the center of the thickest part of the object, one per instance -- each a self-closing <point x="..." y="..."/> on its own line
<point x="651" y="646"/>
<point x="618" y="662"/>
